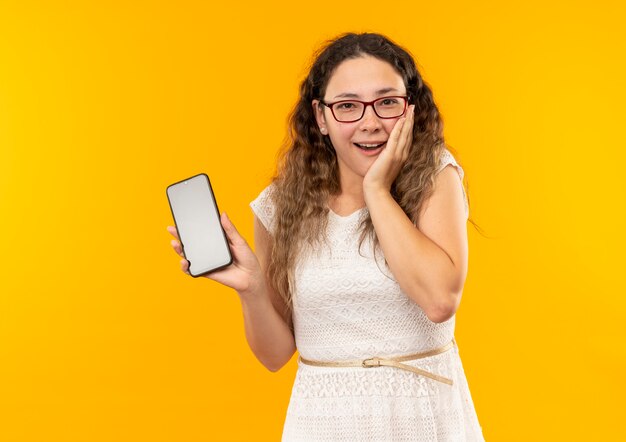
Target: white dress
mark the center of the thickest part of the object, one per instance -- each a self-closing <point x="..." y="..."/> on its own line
<point x="345" y="308"/>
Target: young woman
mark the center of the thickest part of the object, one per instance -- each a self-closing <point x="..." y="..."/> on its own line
<point x="361" y="256"/>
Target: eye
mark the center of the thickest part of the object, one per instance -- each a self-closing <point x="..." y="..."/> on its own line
<point x="346" y="105"/>
<point x="389" y="101"/>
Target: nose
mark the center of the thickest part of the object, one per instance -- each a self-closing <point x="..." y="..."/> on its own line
<point x="370" y="120"/>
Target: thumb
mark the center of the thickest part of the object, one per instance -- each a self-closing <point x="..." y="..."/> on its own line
<point x="231" y="231"/>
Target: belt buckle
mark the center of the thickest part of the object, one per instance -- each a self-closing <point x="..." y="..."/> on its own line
<point x="371" y="362"/>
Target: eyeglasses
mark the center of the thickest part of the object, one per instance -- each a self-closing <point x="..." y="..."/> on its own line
<point x="349" y="111"/>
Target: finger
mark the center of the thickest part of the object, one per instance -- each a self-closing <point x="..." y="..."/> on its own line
<point x="405" y="154"/>
<point x="173" y="232"/>
<point x="407" y="131"/>
<point x="184" y="266"/>
<point x="408" y="125"/>
<point x="394" y="137"/>
<point x="231" y="231"/>
<point x="405" y="134"/>
<point x="177" y="247"/>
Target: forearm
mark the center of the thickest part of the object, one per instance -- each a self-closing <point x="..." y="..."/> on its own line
<point x="423" y="270"/>
<point x="267" y="333"/>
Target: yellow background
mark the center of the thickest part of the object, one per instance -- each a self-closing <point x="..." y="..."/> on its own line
<point x="103" y="104"/>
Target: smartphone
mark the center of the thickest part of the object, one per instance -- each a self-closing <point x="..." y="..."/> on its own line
<point x="197" y="220"/>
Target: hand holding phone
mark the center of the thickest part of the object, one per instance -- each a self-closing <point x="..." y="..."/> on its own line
<point x="197" y="220"/>
<point x="244" y="274"/>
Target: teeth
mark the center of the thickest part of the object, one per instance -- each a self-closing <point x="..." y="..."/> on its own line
<point x="369" y="145"/>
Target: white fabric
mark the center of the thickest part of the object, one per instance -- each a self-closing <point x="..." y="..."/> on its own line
<point x="348" y="306"/>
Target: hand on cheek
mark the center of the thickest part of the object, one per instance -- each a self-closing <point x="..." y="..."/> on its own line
<point x="387" y="166"/>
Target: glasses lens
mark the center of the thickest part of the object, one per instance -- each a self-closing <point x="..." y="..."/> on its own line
<point x="348" y="110"/>
<point x="390" y="107"/>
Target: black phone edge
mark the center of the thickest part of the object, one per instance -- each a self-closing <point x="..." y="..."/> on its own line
<point x="230" y="255"/>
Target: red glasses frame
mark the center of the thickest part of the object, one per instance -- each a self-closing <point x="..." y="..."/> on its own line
<point x="365" y="104"/>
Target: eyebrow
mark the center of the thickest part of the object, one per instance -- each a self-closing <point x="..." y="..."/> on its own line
<point x="378" y="93"/>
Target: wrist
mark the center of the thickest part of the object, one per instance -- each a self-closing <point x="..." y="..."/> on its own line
<point x="375" y="191"/>
<point x="254" y="292"/>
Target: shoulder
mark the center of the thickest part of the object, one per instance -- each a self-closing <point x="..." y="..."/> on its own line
<point x="449" y="181"/>
<point x="448" y="159"/>
<point x="448" y="198"/>
<point x="263" y="207"/>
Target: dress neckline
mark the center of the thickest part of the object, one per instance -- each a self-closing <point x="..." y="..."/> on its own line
<point x="336" y="215"/>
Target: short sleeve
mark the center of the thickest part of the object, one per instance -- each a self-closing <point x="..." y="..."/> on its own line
<point x="263" y="208"/>
<point x="448" y="158"/>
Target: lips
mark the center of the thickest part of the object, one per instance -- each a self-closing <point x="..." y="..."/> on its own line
<point x="372" y="145"/>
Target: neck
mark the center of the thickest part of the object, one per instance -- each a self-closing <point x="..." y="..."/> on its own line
<point x="351" y="194"/>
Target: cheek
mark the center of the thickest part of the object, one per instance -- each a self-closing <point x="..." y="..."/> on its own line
<point x="388" y="125"/>
<point x="341" y="135"/>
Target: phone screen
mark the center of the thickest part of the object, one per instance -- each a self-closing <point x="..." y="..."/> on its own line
<point x="197" y="220"/>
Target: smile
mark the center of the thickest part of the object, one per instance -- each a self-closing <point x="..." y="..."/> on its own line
<point x="369" y="146"/>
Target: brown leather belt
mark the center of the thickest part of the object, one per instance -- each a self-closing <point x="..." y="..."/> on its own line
<point x="395" y="361"/>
